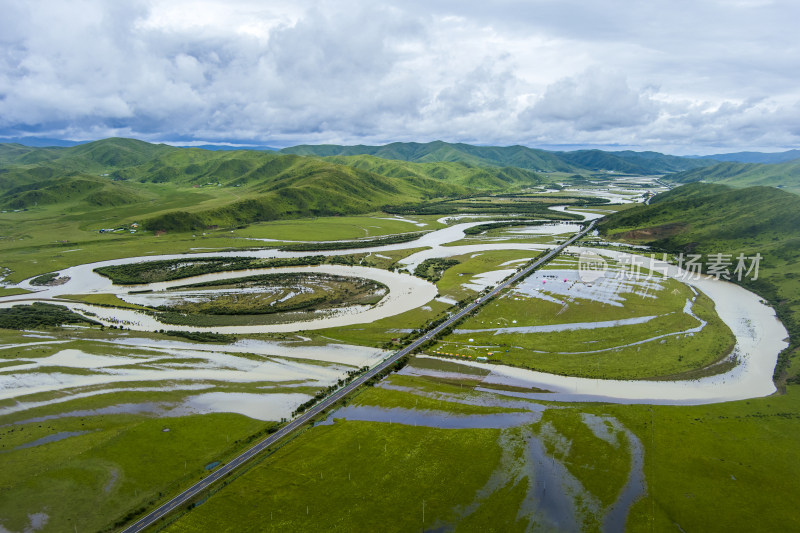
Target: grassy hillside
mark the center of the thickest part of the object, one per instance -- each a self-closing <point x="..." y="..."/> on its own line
<point x="240" y="186"/>
<point x="292" y="186"/>
<point x="439" y="151"/>
<point x="94" y="156"/>
<point x="630" y="162"/>
<point x="781" y="175"/>
<point x="459" y="173"/>
<point x="756" y="157"/>
<point x="512" y="156"/>
<point x="708" y="218"/>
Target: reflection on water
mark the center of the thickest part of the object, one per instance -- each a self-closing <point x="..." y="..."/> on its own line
<point x="555" y="500"/>
<point x="54" y="437"/>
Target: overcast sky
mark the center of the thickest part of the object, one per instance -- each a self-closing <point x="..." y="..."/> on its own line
<point x="679" y="76"/>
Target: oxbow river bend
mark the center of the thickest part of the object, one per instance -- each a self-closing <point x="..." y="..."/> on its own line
<point x="759" y="334"/>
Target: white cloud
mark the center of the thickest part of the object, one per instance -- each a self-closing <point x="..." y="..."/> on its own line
<point x="675" y="75"/>
<point x="594" y="100"/>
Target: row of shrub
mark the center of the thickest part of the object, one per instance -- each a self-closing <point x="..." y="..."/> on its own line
<point x="346" y="245"/>
<point x="40" y="315"/>
<point x="172" y="269"/>
<point x="323" y="393"/>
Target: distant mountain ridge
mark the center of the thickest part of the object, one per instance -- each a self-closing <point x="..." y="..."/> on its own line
<point x="512" y="156"/>
<point x="247" y="185"/>
<point x="780" y="175"/>
<point x="754" y="157"/>
<point x="315" y="181"/>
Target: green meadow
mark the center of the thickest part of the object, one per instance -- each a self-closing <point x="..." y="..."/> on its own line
<point x="659" y="347"/>
<point x="112" y="466"/>
<point x="94" y="457"/>
<point x="731" y="463"/>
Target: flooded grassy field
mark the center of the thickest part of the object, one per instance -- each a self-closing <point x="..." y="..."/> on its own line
<point x="124" y="410"/>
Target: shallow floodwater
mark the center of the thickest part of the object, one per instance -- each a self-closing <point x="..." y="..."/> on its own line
<point x="208" y="366"/>
<point x="562" y="327"/>
<point x="266" y="407"/>
<point x="123" y="408"/>
<point x="759" y="333"/>
<point x="434" y="419"/>
<point x="406" y="292"/>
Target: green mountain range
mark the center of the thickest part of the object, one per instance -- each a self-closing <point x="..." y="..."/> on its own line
<point x="228" y="188"/>
<point x="513" y="156"/>
<point x="781" y="175"/>
<point x="188" y="189"/>
<point x="755" y="157"/>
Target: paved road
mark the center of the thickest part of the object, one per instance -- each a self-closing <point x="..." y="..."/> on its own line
<point x="185" y="497"/>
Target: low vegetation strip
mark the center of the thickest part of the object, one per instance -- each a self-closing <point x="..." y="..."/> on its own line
<point x="202" y="336"/>
<point x="39" y="315"/>
<point x="275" y="293"/>
<point x="44" y="279"/>
<point x="525" y="205"/>
<point x="346" y="245"/>
<point x="477" y="230"/>
<point x="433" y="268"/>
<point x="172" y="269"/>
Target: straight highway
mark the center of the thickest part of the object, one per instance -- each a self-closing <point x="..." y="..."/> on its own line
<point x="185" y="497"/>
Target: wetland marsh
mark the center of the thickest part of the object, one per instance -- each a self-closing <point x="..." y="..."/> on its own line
<point x="550" y="340"/>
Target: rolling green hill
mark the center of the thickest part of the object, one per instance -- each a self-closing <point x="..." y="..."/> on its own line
<point x="458" y="173"/>
<point x="512" y="156"/>
<point x="709" y="218"/>
<point x="630" y="162"/>
<point x="73" y="188"/>
<point x="781" y="175"/>
<point x="237" y="187"/>
<point x="756" y="157"/>
<point x="243" y="186"/>
<point x="439" y="151"/>
<point x="95" y="156"/>
<point x="293" y="186"/>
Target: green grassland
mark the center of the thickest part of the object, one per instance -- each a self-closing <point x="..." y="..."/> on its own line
<point x="470" y="265"/>
<point x="397" y="399"/>
<point x="323" y="291"/>
<point x="105" y="300"/>
<point x="381" y="332"/>
<point x="333" y="477"/>
<point x="253" y="311"/>
<point x="728" y="466"/>
<point x="597" y="353"/>
<point x="122" y="462"/>
<point x="602" y="467"/>
<point x="354" y="476"/>
<point x="12" y="291"/>
<point x="706" y="218"/>
<point x="239" y="187"/>
<point x="332" y="229"/>
<point x="55" y="201"/>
